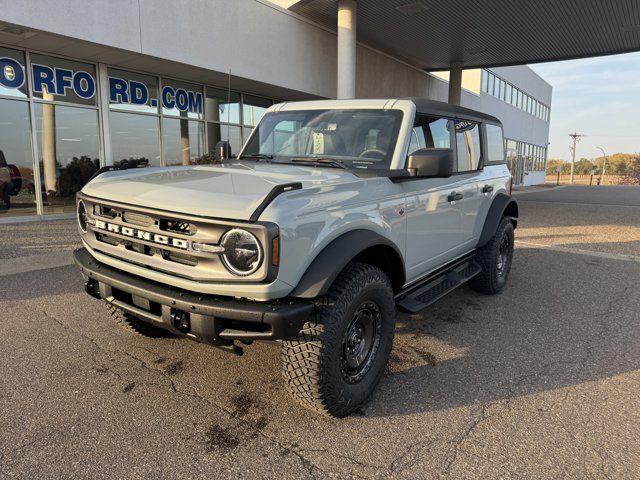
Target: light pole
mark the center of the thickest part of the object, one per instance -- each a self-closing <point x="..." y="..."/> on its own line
<point x="604" y="164"/>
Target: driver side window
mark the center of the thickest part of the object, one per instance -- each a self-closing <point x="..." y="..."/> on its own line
<point x="430" y="132"/>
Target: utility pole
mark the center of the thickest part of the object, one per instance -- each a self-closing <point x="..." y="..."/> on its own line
<point x="576" y="139"/>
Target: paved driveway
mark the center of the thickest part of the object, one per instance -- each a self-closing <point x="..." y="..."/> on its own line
<point x="542" y="381"/>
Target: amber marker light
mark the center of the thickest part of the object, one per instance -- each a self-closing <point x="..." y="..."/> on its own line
<point x="275" y="251"/>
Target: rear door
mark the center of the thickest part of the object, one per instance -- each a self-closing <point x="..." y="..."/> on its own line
<point x="468" y="182"/>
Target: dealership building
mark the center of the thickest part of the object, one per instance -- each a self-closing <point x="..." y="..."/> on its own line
<point x="87" y="83"/>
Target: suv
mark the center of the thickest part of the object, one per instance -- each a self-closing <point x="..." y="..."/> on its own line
<point x="333" y="214"/>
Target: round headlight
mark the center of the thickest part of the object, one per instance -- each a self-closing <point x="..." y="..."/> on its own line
<point x="82" y="216"/>
<point x="242" y="252"/>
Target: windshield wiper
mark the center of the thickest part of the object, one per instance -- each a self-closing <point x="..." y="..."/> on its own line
<point x="331" y="162"/>
<point x="257" y="156"/>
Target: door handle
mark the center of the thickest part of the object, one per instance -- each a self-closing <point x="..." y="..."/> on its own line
<point x="487" y="189"/>
<point x="455" y="196"/>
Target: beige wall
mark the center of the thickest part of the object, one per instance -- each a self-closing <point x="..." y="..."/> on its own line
<point x="470" y="79"/>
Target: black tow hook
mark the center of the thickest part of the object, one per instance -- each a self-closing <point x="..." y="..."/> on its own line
<point x="181" y="321"/>
<point x="91" y="287"/>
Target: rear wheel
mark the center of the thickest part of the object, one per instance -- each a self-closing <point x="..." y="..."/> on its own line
<point x="495" y="258"/>
<point x="135" y="324"/>
<point x="338" y="358"/>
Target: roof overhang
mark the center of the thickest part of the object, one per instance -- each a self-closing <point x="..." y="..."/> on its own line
<point x="436" y="34"/>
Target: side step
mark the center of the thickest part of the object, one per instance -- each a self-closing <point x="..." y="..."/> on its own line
<point x="433" y="288"/>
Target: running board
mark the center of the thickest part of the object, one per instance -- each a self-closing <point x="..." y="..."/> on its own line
<point x="419" y="297"/>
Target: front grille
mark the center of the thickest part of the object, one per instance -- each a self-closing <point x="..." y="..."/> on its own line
<point x="163" y="241"/>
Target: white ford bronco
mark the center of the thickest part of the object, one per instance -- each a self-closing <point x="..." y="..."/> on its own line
<point x="333" y="215"/>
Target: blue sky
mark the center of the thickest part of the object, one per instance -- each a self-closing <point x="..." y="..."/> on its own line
<point x="597" y="97"/>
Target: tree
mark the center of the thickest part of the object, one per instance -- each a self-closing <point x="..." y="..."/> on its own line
<point x="583" y="167"/>
<point x="632" y="175"/>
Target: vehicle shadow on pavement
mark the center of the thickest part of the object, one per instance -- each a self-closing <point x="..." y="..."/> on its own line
<point x="553" y="327"/>
<point x="29" y="285"/>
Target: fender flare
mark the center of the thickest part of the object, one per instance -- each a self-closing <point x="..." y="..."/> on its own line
<point x="503" y="205"/>
<point x="328" y="264"/>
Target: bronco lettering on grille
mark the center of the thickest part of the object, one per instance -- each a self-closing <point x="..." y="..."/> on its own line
<point x="142" y="235"/>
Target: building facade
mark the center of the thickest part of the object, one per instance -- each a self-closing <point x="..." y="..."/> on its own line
<point x="87" y="83"/>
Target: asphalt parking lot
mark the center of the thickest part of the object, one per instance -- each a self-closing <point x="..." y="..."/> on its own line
<point x="542" y="381"/>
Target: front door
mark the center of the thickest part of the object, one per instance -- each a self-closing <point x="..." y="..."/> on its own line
<point x="434" y="231"/>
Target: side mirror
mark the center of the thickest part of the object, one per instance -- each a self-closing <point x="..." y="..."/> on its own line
<point x="431" y="162"/>
<point x="223" y="150"/>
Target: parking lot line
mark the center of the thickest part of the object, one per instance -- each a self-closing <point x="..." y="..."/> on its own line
<point x="590" y="253"/>
<point x="590" y="205"/>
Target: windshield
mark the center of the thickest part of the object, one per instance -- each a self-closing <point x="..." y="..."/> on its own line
<point x="348" y="138"/>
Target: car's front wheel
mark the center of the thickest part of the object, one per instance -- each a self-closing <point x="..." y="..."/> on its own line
<point x="335" y="363"/>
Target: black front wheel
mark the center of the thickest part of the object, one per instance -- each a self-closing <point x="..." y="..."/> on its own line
<point x="335" y="363"/>
<point x="495" y="258"/>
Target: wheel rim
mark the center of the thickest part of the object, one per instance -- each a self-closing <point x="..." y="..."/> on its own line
<point x="361" y="341"/>
<point x="502" y="262"/>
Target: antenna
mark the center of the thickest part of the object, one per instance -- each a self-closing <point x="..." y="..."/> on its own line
<point x="229" y="113"/>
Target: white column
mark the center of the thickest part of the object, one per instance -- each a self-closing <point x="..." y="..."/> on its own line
<point x="103" y="82"/>
<point x="49" y="145"/>
<point x="347" y="49"/>
<point x="455" y="84"/>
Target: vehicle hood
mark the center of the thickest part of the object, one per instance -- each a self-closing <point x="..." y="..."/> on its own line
<point x="231" y="191"/>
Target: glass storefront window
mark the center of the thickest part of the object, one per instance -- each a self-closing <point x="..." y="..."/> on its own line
<point x="253" y="108"/>
<point x="61" y="80"/>
<point x="230" y="133"/>
<point x="182" y="99"/>
<point x="69" y="149"/>
<point x="132" y="92"/>
<point x="222" y="106"/>
<point x="13" y="76"/>
<point x="17" y="187"/>
<point x="135" y="136"/>
<point x="182" y="141"/>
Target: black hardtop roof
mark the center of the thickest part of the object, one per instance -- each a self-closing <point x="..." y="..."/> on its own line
<point x="433" y="107"/>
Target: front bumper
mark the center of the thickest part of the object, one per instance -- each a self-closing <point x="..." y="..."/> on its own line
<point x="206" y="318"/>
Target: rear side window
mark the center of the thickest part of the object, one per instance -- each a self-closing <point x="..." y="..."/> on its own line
<point x="495" y="144"/>
<point x="468" y="145"/>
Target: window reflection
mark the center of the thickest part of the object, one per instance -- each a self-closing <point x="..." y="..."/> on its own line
<point x="468" y="143"/>
<point x="217" y="132"/>
<point x="253" y="108"/>
<point x="13" y="80"/>
<point x="135" y="136"/>
<point x="181" y="99"/>
<point x="69" y="94"/>
<point x="222" y="106"/>
<point x="69" y="149"/>
<point x="182" y="141"/>
<point x="17" y="187"/>
<point x="120" y="79"/>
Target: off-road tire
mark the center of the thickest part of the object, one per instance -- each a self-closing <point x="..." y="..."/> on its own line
<point x="313" y="362"/>
<point x="136" y="325"/>
<point x="492" y="279"/>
